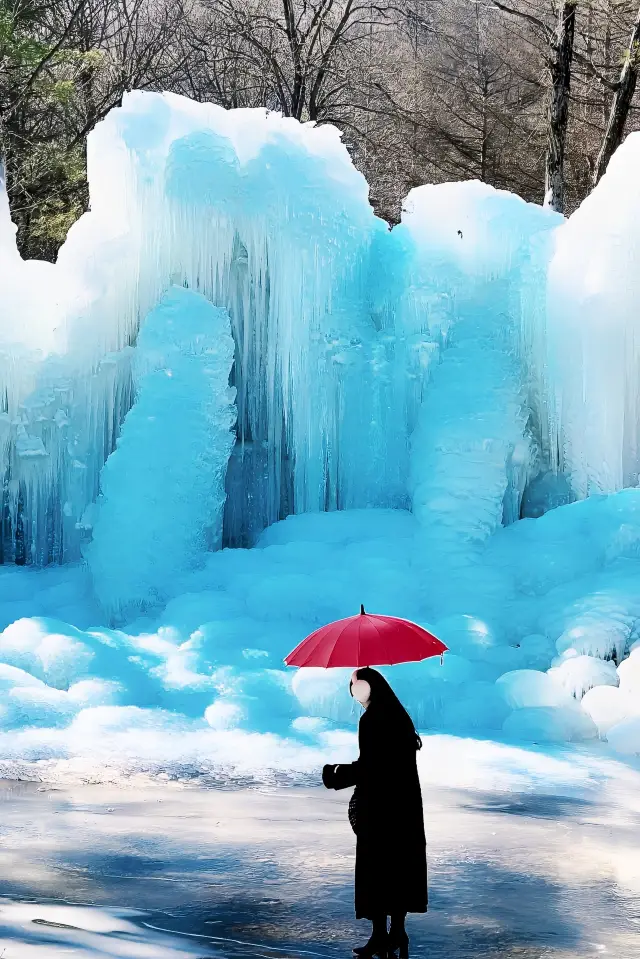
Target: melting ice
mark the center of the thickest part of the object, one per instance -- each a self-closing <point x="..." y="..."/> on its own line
<point x="239" y="405"/>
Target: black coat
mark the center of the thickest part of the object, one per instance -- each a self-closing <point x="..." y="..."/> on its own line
<point x="391" y="861"/>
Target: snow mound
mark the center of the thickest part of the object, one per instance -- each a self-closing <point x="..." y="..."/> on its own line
<point x="578" y="674"/>
<point x="608" y="706"/>
<point x="629" y="673"/>
<point x="550" y="724"/>
<point x="529" y="688"/>
<point x="625" y="736"/>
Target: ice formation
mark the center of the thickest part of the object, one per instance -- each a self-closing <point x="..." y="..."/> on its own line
<point x="470" y="452"/>
<point x="233" y="351"/>
<point x="591" y="352"/>
<point x="170" y="463"/>
<point x="268" y="219"/>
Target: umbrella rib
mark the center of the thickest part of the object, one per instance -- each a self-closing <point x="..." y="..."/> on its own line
<point x="421" y="637"/>
<point x="369" y="621"/>
<point x="318" y="643"/>
<point x="314" y="641"/>
<point x="313" y="645"/>
<point x="424" y="634"/>
<point x="337" y="640"/>
<point x="374" y="623"/>
<point x="359" y="653"/>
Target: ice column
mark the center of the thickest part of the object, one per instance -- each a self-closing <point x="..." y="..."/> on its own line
<point x="591" y="359"/>
<point x="470" y="448"/>
<point x="162" y="489"/>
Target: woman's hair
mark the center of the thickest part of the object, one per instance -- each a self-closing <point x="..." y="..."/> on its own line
<point x="383" y="698"/>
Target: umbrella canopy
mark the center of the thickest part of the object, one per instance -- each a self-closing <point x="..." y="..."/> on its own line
<point x="366" y="640"/>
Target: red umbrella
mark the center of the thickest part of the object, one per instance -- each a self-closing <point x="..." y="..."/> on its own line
<point x="366" y="640"/>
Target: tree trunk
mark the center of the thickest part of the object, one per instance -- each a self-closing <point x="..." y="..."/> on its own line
<point x="484" y="148"/>
<point x="558" y="117"/>
<point x="606" y="92"/>
<point x="621" y="103"/>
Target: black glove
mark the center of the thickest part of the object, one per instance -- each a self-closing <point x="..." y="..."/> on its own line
<point x="328" y="776"/>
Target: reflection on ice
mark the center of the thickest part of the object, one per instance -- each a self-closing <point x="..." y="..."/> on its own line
<point x="248" y="873"/>
<point x="44" y="931"/>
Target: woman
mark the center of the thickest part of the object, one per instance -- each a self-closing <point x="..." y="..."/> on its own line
<point x="386" y="815"/>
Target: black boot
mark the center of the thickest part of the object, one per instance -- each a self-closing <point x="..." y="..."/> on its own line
<point x="378" y="944"/>
<point x="398" y="938"/>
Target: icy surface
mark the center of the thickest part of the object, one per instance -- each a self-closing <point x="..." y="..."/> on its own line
<point x="31" y="930"/>
<point x="244" y="873"/>
<point x="233" y="351"/>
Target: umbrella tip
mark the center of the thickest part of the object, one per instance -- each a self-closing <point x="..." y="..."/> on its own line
<point x="362" y="609"/>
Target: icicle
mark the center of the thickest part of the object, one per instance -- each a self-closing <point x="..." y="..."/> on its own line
<point x="267" y="219"/>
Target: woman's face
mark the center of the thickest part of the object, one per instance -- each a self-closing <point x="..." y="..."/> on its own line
<point x="360" y="690"/>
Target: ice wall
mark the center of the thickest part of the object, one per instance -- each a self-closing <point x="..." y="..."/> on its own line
<point x="373" y="368"/>
<point x="162" y="490"/>
<point x="587" y="360"/>
<point x="269" y="220"/>
<point x="472" y="451"/>
<point x="65" y="387"/>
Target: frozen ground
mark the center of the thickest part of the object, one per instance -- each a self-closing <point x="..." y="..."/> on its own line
<point x="543" y="865"/>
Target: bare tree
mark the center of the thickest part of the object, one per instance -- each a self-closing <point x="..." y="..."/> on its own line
<point x="22" y="68"/>
<point x="560" y="69"/>
<point x="559" y="57"/>
<point x="293" y="54"/>
<point x="472" y="106"/>
<point x="120" y="45"/>
<point x="621" y="102"/>
<point x="528" y="95"/>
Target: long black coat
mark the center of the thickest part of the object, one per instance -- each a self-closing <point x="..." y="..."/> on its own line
<point x="391" y="861"/>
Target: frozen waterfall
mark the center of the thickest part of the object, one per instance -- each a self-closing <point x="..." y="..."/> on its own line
<point x="269" y="220"/>
<point x="424" y="365"/>
<point x="230" y="338"/>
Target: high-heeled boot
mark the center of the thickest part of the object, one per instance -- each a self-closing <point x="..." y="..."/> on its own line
<point x="399" y="942"/>
<point x="378" y="944"/>
<point x="398" y="938"/>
